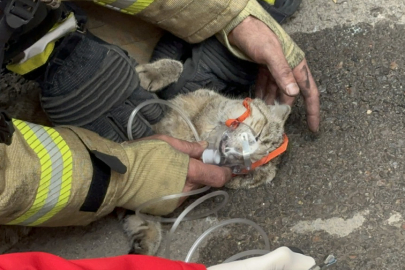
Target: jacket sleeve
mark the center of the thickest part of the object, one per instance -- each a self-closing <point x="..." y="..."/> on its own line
<point x="45" y="261"/>
<point x="69" y="176"/>
<point x="196" y="20"/>
<point x="292" y="52"/>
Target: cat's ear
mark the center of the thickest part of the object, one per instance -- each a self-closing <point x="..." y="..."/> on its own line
<point x="157" y="75"/>
<point x="280" y="111"/>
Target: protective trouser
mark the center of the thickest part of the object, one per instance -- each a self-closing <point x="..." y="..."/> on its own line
<point x="208" y="64"/>
<point x="71" y="176"/>
<point x="92" y="84"/>
<point x="85" y="81"/>
<point x="280" y="10"/>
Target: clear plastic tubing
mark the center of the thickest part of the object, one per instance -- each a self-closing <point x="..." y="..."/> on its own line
<point x="182" y="216"/>
<point x="239" y="255"/>
<point x="153" y="101"/>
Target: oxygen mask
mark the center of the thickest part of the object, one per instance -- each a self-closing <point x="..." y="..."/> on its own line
<point x="231" y="146"/>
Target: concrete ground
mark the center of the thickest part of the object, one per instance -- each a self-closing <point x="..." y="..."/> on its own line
<point x="340" y="192"/>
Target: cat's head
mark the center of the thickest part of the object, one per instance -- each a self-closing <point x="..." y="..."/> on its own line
<point x="266" y="121"/>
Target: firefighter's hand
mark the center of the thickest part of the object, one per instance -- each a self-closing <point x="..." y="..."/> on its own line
<point x="199" y="174"/>
<point x="276" y="79"/>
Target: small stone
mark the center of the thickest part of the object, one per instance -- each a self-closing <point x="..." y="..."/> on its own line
<point x="352" y="257"/>
<point x="316" y="239"/>
<point x="322" y="88"/>
<point x="300" y="202"/>
<point x="369" y="111"/>
<point x="318" y="201"/>
<point x="381" y="183"/>
<point x="393" y="66"/>
<point x="382" y="174"/>
<point x="403" y="226"/>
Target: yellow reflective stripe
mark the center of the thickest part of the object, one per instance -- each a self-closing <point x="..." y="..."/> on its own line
<point x="40" y="59"/>
<point x="34" y="62"/>
<point x="138" y="6"/>
<point x="38" y="148"/>
<point x="56" y="173"/>
<point x="132" y="9"/>
<point x="104" y="2"/>
<point x="271" y="2"/>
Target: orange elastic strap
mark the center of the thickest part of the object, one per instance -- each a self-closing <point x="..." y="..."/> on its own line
<point x="241" y="118"/>
<point x="281" y="149"/>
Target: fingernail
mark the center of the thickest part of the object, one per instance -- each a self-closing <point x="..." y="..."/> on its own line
<point x="314" y="129"/>
<point x="204" y="144"/>
<point x="313" y="124"/>
<point x="292" y="89"/>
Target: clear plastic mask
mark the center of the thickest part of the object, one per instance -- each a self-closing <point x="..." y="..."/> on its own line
<point x="231" y="147"/>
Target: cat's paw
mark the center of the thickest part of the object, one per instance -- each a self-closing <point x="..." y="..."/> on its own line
<point x="144" y="236"/>
<point x="157" y="75"/>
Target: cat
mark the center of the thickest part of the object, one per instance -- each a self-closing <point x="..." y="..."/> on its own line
<point x="206" y="109"/>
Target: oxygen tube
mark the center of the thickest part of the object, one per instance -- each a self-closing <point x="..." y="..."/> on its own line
<point x="183" y="216"/>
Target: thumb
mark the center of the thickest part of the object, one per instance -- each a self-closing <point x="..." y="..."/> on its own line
<point x="262" y="45"/>
<point x="275" y="60"/>
<point x="284" y="78"/>
<point x="271" y="54"/>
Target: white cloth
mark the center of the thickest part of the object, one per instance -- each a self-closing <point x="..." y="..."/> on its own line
<point x="280" y="259"/>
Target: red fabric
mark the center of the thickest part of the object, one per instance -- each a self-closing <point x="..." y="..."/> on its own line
<point x="46" y="261"/>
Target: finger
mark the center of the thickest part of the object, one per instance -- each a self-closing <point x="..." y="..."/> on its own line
<point x="272" y="90"/>
<point x="208" y="175"/>
<point x="271" y="96"/>
<point x="310" y="92"/>
<point x="281" y="71"/>
<point x="261" y="82"/>
<point x="260" y="43"/>
<point x="266" y="87"/>
<point x="284" y="99"/>
<point x="193" y="149"/>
